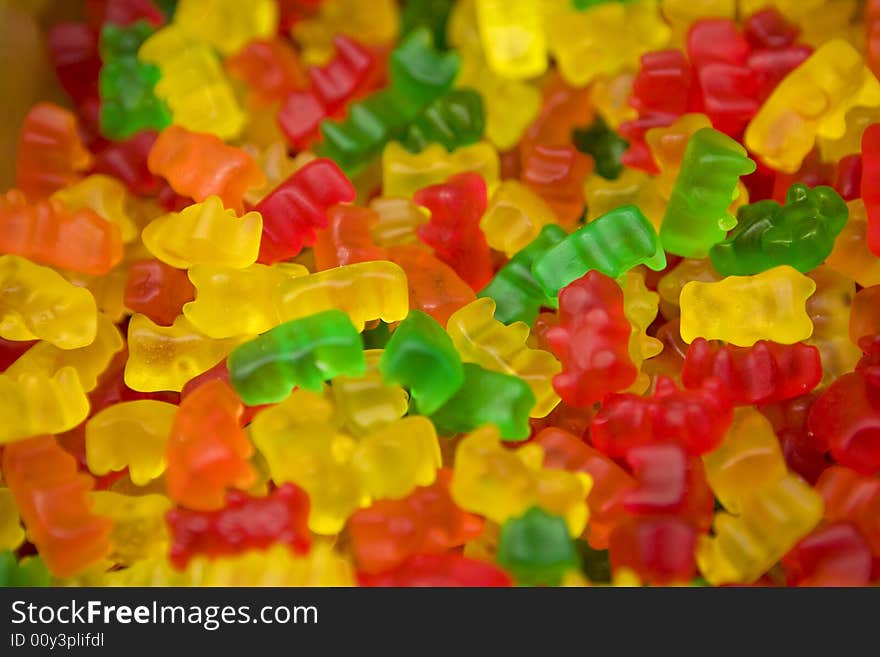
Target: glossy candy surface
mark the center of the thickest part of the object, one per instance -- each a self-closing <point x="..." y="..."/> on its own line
<point x="440" y="293"/>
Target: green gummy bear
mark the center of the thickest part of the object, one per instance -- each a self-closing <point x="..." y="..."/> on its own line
<point x="419" y="75"/>
<point x="419" y="72"/>
<point x="376" y="338"/>
<point x="117" y="41"/>
<point x="487" y="397"/>
<point x="537" y="548"/>
<point x="454" y="120"/>
<point x="611" y="244"/>
<point x="420" y="356"/>
<point x="604" y="145"/>
<point x="430" y="14"/>
<point x="128" y="104"/>
<point x="800" y="234"/>
<point x="518" y="296"/>
<point x="697" y="214"/>
<point x="125" y="84"/>
<point x="303" y="352"/>
<point x="30" y="571"/>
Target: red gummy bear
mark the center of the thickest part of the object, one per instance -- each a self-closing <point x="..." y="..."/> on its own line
<point x="763" y="373"/>
<point x="447" y="570"/>
<point x="853" y="498"/>
<point x="454" y="228"/>
<point x="846" y="417"/>
<point x="350" y="74"/>
<point x="298" y="206"/>
<point x="695" y="419"/>
<point x="157" y="290"/>
<point x="426" y="521"/>
<point x="659" y="549"/>
<point x="591" y="341"/>
<point x="726" y="75"/>
<point x="245" y="523"/>
<point x="833" y="555"/>
<point x="127" y="161"/>
<point x="73" y="49"/>
<point x="870" y="185"/>
<point x="660" y="94"/>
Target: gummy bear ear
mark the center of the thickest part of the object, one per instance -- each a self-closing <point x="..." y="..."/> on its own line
<point x="727" y="222"/>
<point x="797" y="192"/>
<point x="657" y="262"/>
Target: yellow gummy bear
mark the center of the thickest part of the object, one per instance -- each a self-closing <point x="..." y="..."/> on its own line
<point x="480" y="338"/>
<point x="166" y="357"/>
<point x="139" y="528"/>
<point x="366" y="403"/>
<point x="364" y="290"/>
<point x="514" y="217"/>
<point x="851" y="256"/>
<point x="227" y="24"/>
<point x="130" y="434"/>
<point x="193" y="83"/>
<point x="37" y="303"/>
<point x="671" y="283"/>
<point x="749" y="459"/>
<point x="829" y="310"/>
<point x="632" y="187"/>
<point x="394" y="460"/>
<point x="604" y="39"/>
<point x="640" y="307"/>
<point x="857" y="120"/>
<point x="205" y="234"/>
<point x="744" y="309"/>
<point x="11" y="532"/>
<point x="812" y="101"/>
<point x="35" y="403"/>
<point x="771" y="522"/>
<point x="399" y="219"/>
<point x="404" y="173"/>
<point x="509" y="105"/>
<point x="302" y="445"/>
<point x="501" y="483"/>
<point x="105" y="195"/>
<point x="47" y="359"/>
<point x="370" y="23"/>
<point x="254" y="290"/>
<point x="515" y="44"/>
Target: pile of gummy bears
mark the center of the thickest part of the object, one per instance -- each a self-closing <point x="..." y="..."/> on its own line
<point x="446" y="292"/>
